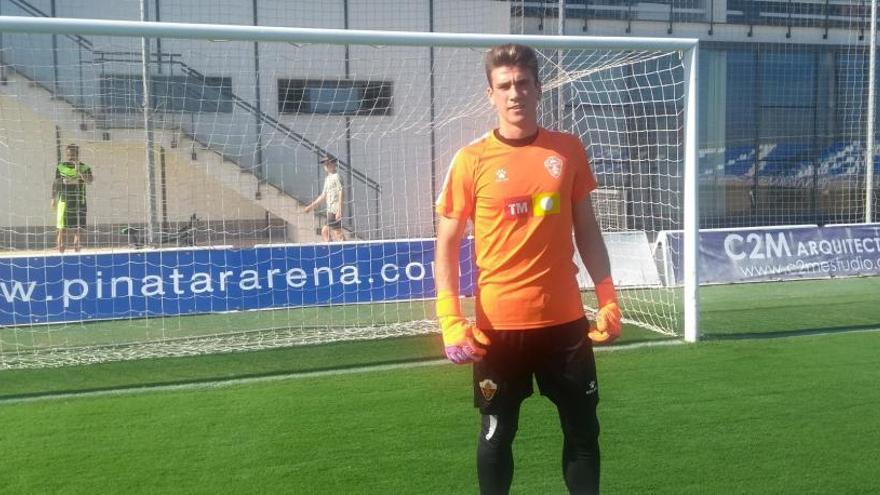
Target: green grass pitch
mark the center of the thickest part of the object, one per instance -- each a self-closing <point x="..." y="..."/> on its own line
<point x="733" y="414"/>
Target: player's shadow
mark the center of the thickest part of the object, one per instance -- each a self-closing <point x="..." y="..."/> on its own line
<point x="802" y="332"/>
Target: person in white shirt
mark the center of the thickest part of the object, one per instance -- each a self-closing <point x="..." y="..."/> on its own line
<point x="333" y="194"/>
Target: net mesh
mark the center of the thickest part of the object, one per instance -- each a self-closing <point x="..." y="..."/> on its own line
<point x="181" y="242"/>
<point x="782" y="100"/>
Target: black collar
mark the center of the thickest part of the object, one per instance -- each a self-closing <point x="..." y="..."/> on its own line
<point x="516" y="142"/>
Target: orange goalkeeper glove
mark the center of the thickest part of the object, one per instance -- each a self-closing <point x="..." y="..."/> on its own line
<point x="606" y="328"/>
<point x="462" y="340"/>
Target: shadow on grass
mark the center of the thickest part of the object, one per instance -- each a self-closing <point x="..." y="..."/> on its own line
<point x="790" y="333"/>
<point x="212" y="380"/>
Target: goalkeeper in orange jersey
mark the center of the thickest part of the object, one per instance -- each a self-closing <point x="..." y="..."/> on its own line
<point x="526" y="189"/>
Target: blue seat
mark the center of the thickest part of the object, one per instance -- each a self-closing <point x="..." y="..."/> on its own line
<point x="739" y="160"/>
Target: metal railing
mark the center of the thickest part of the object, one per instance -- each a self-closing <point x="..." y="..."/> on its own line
<point x="299" y="188"/>
<point x="826" y="14"/>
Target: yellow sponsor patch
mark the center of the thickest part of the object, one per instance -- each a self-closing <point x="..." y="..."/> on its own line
<point x="548" y="203"/>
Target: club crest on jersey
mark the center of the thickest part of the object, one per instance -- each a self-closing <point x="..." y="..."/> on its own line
<point x="488" y="388"/>
<point x="553" y="164"/>
<point x="501" y="175"/>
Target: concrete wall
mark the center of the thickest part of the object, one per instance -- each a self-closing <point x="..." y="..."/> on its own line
<point x="393" y="150"/>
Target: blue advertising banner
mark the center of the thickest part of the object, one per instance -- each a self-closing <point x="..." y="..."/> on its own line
<point x="850" y="249"/>
<point x="749" y="255"/>
<point x="779" y="253"/>
<point x="173" y="282"/>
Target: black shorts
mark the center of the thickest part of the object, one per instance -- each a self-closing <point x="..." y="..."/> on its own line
<point x="333" y="221"/>
<point x="559" y="357"/>
<point x="70" y="215"/>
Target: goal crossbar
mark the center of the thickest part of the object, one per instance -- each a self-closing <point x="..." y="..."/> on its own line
<point x="226" y="32"/>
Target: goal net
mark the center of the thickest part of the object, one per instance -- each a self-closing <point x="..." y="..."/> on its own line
<point x="204" y="154"/>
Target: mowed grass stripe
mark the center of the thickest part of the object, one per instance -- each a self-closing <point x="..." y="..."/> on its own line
<point x="813" y="306"/>
<point x="758" y="416"/>
<point x="794" y="306"/>
<point x="228" y="382"/>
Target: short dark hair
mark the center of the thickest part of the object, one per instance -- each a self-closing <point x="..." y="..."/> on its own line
<point x="328" y="160"/>
<point x="73" y="147"/>
<point x="512" y="55"/>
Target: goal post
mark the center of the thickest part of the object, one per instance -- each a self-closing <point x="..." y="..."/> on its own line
<point x="225" y="258"/>
<point x="691" y="205"/>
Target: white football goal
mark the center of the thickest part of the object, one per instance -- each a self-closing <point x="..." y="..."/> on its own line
<point x="205" y="143"/>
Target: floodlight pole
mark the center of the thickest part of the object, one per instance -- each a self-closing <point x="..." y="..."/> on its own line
<point x="560" y="94"/>
<point x="260" y="167"/>
<point x="869" y="139"/>
<point x="153" y="220"/>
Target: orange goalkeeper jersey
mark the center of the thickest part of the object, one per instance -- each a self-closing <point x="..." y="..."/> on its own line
<point x="520" y="199"/>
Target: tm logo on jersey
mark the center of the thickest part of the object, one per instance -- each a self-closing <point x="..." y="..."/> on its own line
<point x="538" y="205"/>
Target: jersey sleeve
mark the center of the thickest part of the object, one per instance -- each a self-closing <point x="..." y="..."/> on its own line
<point x="456" y="199"/>
<point x="584" y="180"/>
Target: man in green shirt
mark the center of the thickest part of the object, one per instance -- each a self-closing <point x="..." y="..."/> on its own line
<point x="69" y="196"/>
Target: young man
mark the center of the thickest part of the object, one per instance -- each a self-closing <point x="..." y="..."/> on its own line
<point x="525" y="189"/>
<point x="333" y="195"/>
<point x="69" y="196"/>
